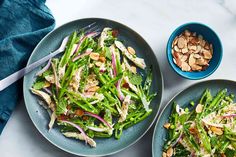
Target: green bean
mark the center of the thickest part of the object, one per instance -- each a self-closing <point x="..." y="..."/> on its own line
<point x="217" y="99"/>
<point x="127" y="92"/>
<point x="191" y="139"/>
<point x="101" y="135"/>
<point x="203" y="136"/>
<point x="65" y="58"/>
<point x="138" y="120"/>
<point x="92" y="108"/>
<point x="109" y="97"/>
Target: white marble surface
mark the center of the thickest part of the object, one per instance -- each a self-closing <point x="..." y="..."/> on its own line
<point x="154" y="20"/>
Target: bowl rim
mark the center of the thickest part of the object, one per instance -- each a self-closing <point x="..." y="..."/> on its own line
<point x="169" y="103"/>
<point x="168" y="50"/>
<point x="160" y="92"/>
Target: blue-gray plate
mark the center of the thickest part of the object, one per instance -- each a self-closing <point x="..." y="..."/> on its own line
<point x="194" y="93"/>
<point x="40" y="117"/>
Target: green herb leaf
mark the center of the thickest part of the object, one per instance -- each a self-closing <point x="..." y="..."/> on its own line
<point x="107" y="53"/>
<point x="61" y="107"/>
<point x="135" y="79"/>
<point x="38" y="85"/>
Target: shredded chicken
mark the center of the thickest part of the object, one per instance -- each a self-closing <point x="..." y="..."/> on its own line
<point x="75" y="82"/>
<point x="50" y="79"/>
<point x="124" y="108"/>
<point x="45" y="97"/>
<point x="79" y="136"/>
<point x="52" y="120"/>
<point x="103" y="36"/>
<point x="137" y="61"/>
<point x="91" y="81"/>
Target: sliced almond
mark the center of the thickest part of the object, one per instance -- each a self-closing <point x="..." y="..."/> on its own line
<point x="189" y="46"/>
<point x="177" y="55"/>
<point x="98" y="63"/>
<point x="102" y="59"/>
<point x="196" y="56"/>
<point x="184" y="58"/>
<point x="93" y="88"/>
<point x="196" y="67"/>
<point x="207" y="54"/>
<point x="185" y="66"/>
<point x="201" y="61"/>
<point x="169" y="152"/>
<point x="176" y="49"/>
<point x="194" y="34"/>
<point x="164" y="154"/>
<point x="94" y="56"/>
<point x="194" y="48"/>
<point x="181" y="43"/>
<point x="198" y="49"/>
<point x="131" y="50"/>
<point x="175" y="42"/>
<point x="216" y="130"/>
<point x="199" y="108"/>
<point x="191" y="60"/>
<point x="185" y="50"/>
<point x="167" y="125"/>
<point x="178" y="62"/>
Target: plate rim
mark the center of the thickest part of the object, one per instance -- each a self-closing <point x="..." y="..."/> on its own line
<point x="161" y="91"/>
<point x="169" y="102"/>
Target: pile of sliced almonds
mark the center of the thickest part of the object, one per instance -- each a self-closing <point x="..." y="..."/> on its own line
<point x="191" y="52"/>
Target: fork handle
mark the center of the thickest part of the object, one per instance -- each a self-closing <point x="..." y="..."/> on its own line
<point x="19" y="74"/>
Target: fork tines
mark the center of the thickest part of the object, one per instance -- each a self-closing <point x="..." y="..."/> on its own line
<point x="90" y="28"/>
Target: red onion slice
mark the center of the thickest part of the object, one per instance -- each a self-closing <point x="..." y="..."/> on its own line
<point x="120" y="94"/>
<point x="113" y="62"/>
<point x="47" y="90"/>
<point x="77" y="127"/>
<point x="229" y="115"/>
<point x="98" y="117"/>
<point x="87" y="52"/>
<point x="91" y="34"/>
<point x="44" y="68"/>
<point x="177" y="140"/>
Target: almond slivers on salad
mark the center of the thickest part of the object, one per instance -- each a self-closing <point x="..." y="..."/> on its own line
<point x="208" y="129"/>
<point x="97" y="88"/>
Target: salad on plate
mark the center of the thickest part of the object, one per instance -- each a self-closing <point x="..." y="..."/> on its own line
<point x="207" y="129"/>
<point x="97" y="88"/>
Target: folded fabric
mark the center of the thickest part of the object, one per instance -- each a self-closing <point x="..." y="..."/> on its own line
<point x="23" y="23"/>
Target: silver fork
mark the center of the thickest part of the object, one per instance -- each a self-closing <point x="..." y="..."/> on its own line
<point x="4" y="83"/>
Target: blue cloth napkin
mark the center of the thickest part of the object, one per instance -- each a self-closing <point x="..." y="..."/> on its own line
<point x="23" y="23"/>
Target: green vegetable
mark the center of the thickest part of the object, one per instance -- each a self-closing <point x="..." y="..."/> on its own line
<point x="39" y="85"/>
<point x="86" y="93"/>
<point x="135" y="79"/>
<point x="194" y="127"/>
<point x="65" y="58"/>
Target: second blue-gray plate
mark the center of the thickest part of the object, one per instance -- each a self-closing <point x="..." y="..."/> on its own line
<point x="194" y="93"/>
